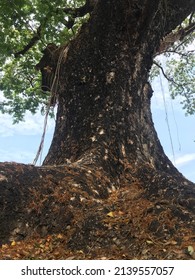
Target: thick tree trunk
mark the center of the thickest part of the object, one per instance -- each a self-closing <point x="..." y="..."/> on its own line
<point x="104" y="141"/>
<point x="104" y="116"/>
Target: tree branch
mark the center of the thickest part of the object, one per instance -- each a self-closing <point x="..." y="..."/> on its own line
<point x="168" y="41"/>
<point x="82" y="11"/>
<point x="188" y="30"/>
<point x="32" y="42"/>
<point x="163" y="72"/>
<point x="176" y="12"/>
<point x="78" y="12"/>
<point x="74" y="13"/>
<point x="170" y="79"/>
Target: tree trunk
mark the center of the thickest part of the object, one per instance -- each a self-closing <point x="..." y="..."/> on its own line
<point x="104" y="140"/>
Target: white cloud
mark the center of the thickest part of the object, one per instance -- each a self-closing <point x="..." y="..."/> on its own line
<point x="32" y="125"/>
<point x="185" y="159"/>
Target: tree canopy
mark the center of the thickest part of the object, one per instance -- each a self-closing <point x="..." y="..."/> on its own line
<point x="27" y="27"/>
<point x="179" y="51"/>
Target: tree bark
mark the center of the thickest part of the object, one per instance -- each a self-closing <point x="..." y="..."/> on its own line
<point x="104" y="141"/>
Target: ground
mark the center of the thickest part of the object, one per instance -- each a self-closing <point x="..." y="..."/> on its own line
<point x="129" y="223"/>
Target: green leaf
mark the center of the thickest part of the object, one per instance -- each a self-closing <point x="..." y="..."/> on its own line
<point x="19" y="22"/>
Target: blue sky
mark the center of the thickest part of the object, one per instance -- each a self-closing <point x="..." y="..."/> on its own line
<point x="20" y="142"/>
<point x="175" y="130"/>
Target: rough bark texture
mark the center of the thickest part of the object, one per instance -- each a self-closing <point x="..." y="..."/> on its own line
<point x="106" y="183"/>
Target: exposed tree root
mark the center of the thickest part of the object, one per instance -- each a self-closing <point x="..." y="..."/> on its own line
<point x="77" y="213"/>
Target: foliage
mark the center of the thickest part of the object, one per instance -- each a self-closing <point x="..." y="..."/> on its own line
<point x="22" y="22"/>
<point x="179" y="69"/>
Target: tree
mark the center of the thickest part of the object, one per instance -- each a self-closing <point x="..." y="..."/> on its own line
<point x="106" y="183"/>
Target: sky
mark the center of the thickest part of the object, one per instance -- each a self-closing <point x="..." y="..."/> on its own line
<point x="20" y="142"/>
<point x="175" y="130"/>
